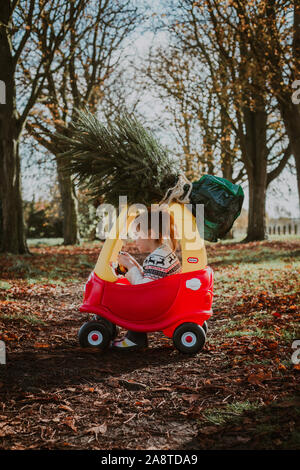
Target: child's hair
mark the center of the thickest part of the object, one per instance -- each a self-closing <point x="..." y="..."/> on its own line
<point x="163" y="224"/>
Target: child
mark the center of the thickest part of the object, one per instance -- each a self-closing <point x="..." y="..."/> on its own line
<point x="161" y="243"/>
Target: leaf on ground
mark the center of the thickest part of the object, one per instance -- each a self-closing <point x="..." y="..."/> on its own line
<point x="162" y="389"/>
<point x="66" y="408"/>
<point x="243" y="439"/>
<point x="70" y="421"/>
<point x="144" y="401"/>
<point x="97" y="430"/>
<point x="191" y="398"/>
<point x="209" y="430"/>
<point x="256" y="379"/>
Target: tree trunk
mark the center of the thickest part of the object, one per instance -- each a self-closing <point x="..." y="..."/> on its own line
<point x="291" y="117"/>
<point x="13" y="230"/>
<point x="297" y="160"/>
<point x="256" y="148"/>
<point x="226" y="155"/>
<point x="227" y="168"/>
<point x="69" y="207"/>
<point x="293" y="128"/>
<point x="256" y="219"/>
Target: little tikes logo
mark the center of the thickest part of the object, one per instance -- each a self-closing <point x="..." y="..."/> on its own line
<point x="192" y="260"/>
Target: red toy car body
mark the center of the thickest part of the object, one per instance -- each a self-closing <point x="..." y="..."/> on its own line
<point x="161" y="305"/>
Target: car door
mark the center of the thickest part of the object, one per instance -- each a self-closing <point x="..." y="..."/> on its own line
<point x="145" y="302"/>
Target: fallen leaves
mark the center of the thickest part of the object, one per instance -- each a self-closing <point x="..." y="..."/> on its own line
<point x="41" y="345"/>
<point x="97" y="430"/>
<point x="6" y="430"/>
<point x="70" y="422"/>
<point x="192" y="397"/>
<point x="258" y="378"/>
<point x="132" y="385"/>
<point x="143" y="402"/>
<point x="63" y="397"/>
<point x="276" y="314"/>
<point x="162" y="389"/>
<point x="44" y="398"/>
<point x="243" y="439"/>
<point x="66" y="408"/>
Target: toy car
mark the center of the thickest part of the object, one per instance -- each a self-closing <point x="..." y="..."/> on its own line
<point x="178" y="305"/>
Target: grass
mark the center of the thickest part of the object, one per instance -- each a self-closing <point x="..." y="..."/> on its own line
<point x="240" y="327"/>
<point x="5" y="285"/>
<point x="263" y="256"/>
<point x="259" y="269"/>
<point x="37" y="242"/>
<point x="44" y="241"/>
<point x="44" y="267"/>
<point x="31" y="319"/>
<point x="293" y="441"/>
<point x="268" y="426"/>
<point x="276" y="237"/>
<point x="231" y="412"/>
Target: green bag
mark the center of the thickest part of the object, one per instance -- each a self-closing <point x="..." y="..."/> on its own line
<point x="222" y="201"/>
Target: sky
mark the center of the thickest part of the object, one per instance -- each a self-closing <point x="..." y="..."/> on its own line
<point x="282" y="195"/>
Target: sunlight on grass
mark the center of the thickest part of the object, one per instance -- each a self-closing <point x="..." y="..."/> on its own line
<point x="264" y="274"/>
<point x="55" y="281"/>
<point x="5" y="285"/>
<point x="39" y="269"/>
<point x="31" y="319"/>
<point x="231" y="412"/>
<point x="44" y="241"/>
<point x="240" y="327"/>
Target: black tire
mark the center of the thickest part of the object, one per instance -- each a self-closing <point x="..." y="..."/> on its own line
<point x="189" y="338"/>
<point x="205" y="327"/>
<point x="111" y="326"/>
<point x="88" y="333"/>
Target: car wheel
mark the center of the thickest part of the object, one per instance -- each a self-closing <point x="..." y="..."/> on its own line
<point x="205" y="327"/>
<point x="111" y="326"/>
<point x="94" y="334"/>
<point x="189" y="338"/>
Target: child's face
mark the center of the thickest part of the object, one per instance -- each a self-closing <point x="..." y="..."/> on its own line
<point x="146" y="244"/>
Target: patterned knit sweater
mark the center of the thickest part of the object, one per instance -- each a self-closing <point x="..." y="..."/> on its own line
<point x="160" y="263"/>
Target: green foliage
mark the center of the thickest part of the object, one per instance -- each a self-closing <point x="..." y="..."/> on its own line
<point x="42" y="220"/>
<point x="116" y="159"/>
<point x="31" y="319"/>
<point x="5" y="285"/>
<point x="87" y="217"/>
<point x="231" y="412"/>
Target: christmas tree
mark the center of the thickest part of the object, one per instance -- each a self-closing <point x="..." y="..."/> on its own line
<point x="121" y="158"/>
<point x="117" y="159"/>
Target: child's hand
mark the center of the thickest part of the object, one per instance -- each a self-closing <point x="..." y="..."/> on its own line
<point x="125" y="259"/>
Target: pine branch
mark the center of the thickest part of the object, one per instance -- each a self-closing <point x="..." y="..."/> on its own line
<point x="116" y="159"/>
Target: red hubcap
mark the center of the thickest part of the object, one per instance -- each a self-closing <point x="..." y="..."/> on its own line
<point x="94" y="337"/>
<point x="189" y="339"/>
